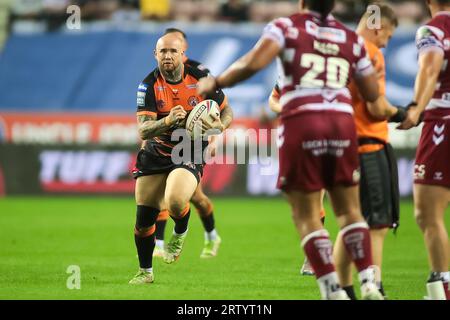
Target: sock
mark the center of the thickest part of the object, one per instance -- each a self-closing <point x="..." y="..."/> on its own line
<point x="350" y="292"/>
<point x="145" y="241"/>
<point x="208" y="222"/>
<point x="447" y="292"/>
<point x="181" y="224"/>
<point x="160" y="228"/>
<point x="211" y="236"/>
<point x="318" y="249"/>
<point x="145" y="245"/>
<point x="444" y="277"/>
<point x="146" y="269"/>
<point x="328" y="284"/>
<point x="160" y="243"/>
<point x="441" y="277"/>
<point x="356" y="239"/>
<point x="380" y="288"/>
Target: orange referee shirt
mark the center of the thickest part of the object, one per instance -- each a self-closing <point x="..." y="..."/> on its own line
<point x="366" y="125"/>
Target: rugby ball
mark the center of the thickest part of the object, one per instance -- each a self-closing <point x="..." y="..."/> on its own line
<point x="201" y="112"/>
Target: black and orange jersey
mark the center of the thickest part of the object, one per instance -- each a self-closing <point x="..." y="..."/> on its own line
<point x="196" y="64"/>
<point x="156" y="97"/>
<point x="366" y="125"/>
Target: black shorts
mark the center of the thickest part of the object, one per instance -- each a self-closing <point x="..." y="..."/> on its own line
<point x="148" y="164"/>
<point x="379" y="189"/>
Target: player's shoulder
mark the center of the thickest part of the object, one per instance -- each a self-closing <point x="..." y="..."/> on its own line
<point x="437" y="27"/>
<point x="196" y="64"/>
<point x="195" y="72"/>
<point x="150" y="79"/>
<point x="441" y="21"/>
<point x="283" y="22"/>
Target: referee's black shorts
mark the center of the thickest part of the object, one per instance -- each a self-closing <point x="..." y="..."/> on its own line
<point x="379" y="193"/>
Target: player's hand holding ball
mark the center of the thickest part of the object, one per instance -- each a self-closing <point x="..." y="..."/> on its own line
<point x="176" y="116"/>
<point x="213" y="125"/>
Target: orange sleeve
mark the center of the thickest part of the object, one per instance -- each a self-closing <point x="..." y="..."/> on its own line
<point x="377" y="58"/>
<point x="224" y="103"/>
<point x="381" y="69"/>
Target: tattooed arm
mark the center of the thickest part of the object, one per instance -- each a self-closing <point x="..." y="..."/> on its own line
<point x="149" y="127"/>
<point x="226" y="116"/>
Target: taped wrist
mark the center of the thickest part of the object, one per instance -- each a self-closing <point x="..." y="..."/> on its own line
<point x="400" y="116"/>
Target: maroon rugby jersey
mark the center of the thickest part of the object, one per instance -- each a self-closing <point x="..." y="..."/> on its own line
<point x="435" y="35"/>
<point x="317" y="62"/>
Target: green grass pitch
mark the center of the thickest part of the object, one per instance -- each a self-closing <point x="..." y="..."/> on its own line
<point x="260" y="256"/>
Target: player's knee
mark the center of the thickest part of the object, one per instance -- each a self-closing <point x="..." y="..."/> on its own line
<point x="145" y="220"/>
<point x="426" y="221"/>
<point x="422" y="219"/>
<point x="143" y="200"/>
<point x="176" y="208"/>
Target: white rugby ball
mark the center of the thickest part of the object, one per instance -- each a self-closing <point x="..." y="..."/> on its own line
<point x="201" y="112"/>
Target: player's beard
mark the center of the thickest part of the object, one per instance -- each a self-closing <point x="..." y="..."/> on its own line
<point x="172" y="75"/>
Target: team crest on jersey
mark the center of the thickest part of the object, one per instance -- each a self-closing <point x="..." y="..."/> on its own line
<point x="193" y="101"/>
<point x="160" y="104"/>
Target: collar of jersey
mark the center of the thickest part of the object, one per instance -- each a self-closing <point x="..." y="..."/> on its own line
<point x="440" y="13"/>
<point x="158" y="73"/>
<point x="318" y="15"/>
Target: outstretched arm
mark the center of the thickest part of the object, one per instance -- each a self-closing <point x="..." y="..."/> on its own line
<point x="262" y="54"/>
<point x="256" y="59"/>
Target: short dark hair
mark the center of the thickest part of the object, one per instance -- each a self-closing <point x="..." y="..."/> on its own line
<point x="174" y="30"/>
<point x="324" y="7"/>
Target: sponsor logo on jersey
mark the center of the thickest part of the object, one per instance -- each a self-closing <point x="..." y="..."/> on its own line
<point x="175" y="94"/>
<point x="160" y="88"/>
<point x="189" y="164"/>
<point x="438" y="135"/>
<point x="191" y="86"/>
<point x="428" y="42"/>
<point x="419" y="171"/>
<point x="331" y="34"/>
<point x="142" y="87"/>
<point x="140" y="101"/>
<point x="438" y="176"/>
